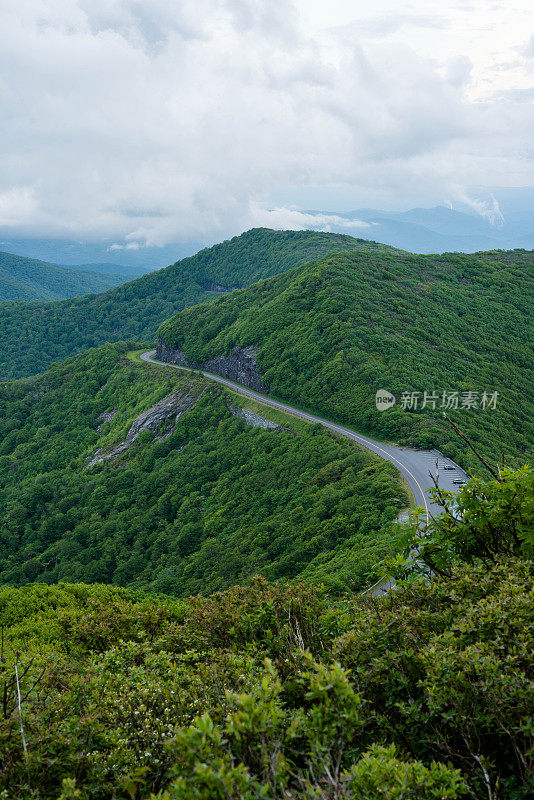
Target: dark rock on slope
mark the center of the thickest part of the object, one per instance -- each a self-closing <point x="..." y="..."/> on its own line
<point x="239" y="365"/>
<point x="161" y="417"/>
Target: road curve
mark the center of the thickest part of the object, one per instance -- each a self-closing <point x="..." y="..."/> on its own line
<point x="416" y="466"/>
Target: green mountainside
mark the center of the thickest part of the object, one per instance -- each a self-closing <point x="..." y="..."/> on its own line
<point x="330" y="334"/>
<point x="29" y="279"/>
<point x="189" y="507"/>
<point x="33" y="336"/>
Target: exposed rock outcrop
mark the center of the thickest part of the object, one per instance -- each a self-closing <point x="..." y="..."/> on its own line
<point x="171" y="355"/>
<point x="210" y="286"/>
<point x="105" y="416"/>
<point x="161" y="417"/>
<point x="252" y="419"/>
<point x="240" y="365"/>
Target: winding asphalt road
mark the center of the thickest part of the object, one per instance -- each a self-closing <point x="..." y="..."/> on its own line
<point x="416" y="466"/>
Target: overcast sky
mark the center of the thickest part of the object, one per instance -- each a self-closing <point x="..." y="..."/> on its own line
<point x="153" y="121"/>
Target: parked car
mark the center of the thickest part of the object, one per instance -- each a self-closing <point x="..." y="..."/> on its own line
<point x="448" y="466"/>
<point x="459" y="482"/>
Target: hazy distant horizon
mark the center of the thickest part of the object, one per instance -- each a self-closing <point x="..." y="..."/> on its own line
<point x="420" y="229"/>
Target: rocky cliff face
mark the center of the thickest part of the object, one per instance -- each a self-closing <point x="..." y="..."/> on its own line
<point x="239" y="365"/>
<point x="170" y="356"/>
<point x="161" y="417"/>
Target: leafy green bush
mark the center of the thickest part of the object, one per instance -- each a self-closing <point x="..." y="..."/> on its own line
<point x="267" y="749"/>
<point x="448" y="669"/>
<point x="485" y="521"/>
<point x="428" y="693"/>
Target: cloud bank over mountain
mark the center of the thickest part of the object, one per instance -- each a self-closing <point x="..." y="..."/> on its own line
<point x="149" y="122"/>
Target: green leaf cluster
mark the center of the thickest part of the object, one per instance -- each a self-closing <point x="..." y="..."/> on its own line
<point x="274" y="691"/>
<point x="485" y="521"/>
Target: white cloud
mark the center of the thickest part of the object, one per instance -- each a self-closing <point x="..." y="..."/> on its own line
<point x="295" y="220"/>
<point x="16" y="204"/>
<point x="150" y="121"/>
<point x="128" y="246"/>
<point x="487" y="209"/>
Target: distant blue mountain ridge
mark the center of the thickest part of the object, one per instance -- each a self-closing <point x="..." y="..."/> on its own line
<point x="505" y="221"/>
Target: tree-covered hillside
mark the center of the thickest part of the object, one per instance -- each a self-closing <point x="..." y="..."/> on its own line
<point x="188" y="507"/>
<point x="283" y="691"/>
<point x="29" y="279"/>
<point x="33" y="336"/>
<point x="332" y="333"/>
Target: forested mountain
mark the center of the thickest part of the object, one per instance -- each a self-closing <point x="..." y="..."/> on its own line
<point x="184" y="505"/>
<point x="28" y="279"/>
<point x="33" y="336"/>
<point x="330" y="334"/>
<point x="108" y="267"/>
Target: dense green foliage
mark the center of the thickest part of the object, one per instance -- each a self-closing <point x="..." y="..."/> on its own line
<point x="273" y="691"/>
<point x="208" y="506"/>
<point x="32" y="337"/>
<point x="332" y="333"/>
<point x="29" y="279"/>
<point x="486" y="521"/>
